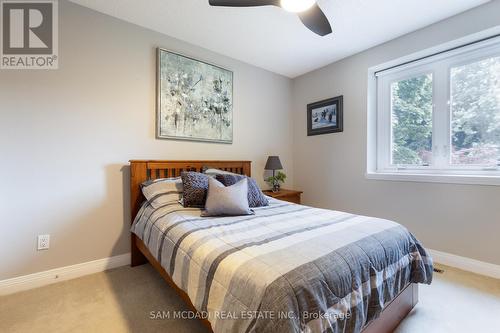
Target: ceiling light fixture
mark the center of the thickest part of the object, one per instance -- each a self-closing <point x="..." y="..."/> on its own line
<point x="297" y="6"/>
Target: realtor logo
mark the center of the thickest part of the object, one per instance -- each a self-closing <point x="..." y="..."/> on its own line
<point x="29" y="38"/>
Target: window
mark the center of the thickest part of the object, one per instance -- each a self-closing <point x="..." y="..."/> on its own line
<point x="475" y="112"/>
<point x="411" y="112"/>
<point x="439" y="116"/>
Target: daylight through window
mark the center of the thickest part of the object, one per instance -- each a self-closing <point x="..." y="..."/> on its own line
<point x="441" y="114"/>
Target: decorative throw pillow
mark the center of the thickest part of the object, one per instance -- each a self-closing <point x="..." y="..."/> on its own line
<point x="162" y="191"/>
<point x="255" y="196"/>
<point x="227" y="201"/>
<point x="195" y="186"/>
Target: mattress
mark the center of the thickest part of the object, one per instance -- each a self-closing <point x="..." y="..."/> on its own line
<point x="288" y="268"/>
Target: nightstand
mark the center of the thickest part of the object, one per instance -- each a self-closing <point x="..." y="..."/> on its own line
<point x="285" y="195"/>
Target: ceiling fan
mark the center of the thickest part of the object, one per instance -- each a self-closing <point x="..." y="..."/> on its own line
<point x="308" y="11"/>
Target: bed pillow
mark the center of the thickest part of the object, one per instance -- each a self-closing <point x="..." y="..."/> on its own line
<point x="255" y="196"/>
<point x="227" y="201"/>
<point x="160" y="192"/>
<point x="195" y="186"/>
<point x="214" y="172"/>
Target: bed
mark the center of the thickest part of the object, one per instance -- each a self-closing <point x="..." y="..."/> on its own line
<point x="288" y="268"/>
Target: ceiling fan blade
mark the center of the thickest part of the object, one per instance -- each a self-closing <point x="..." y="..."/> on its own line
<point x="243" y="3"/>
<point x="316" y="20"/>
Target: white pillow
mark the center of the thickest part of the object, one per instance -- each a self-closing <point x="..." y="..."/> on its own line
<point x="226" y="201"/>
<point x="160" y="192"/>
<point x="212" y="172"/>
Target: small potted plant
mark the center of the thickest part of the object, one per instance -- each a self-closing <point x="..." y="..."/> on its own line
<point x="276" y="180"/>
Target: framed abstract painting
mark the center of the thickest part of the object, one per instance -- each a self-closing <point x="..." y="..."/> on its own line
<point x="194" y="99"/>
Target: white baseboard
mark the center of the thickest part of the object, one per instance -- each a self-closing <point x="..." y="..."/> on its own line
<point x="44" y="278"/>
<point x="466" y="264"/>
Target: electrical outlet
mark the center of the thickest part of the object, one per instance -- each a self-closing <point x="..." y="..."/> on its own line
<point x="43" y="242"/>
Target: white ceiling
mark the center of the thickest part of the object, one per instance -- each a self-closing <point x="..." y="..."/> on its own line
<point x="276" y="40"/>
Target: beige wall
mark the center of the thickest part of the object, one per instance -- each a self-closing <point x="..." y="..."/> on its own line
<point x="459" y="219"/>
<point x="66" y="136"/>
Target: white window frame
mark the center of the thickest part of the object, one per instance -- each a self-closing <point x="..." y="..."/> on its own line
<point x="379" y="117"/>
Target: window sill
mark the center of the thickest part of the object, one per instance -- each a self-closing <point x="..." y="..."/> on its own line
<point x="492" y="180"/>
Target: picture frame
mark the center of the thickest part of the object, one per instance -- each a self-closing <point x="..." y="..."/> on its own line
<point x="194" y="99"/>
<point x="325" y="116"/>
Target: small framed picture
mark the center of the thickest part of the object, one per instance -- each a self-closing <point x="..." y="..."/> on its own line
<point x="325" y="116"/>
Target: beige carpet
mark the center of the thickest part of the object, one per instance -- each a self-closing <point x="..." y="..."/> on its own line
<point x="121" y="300"/>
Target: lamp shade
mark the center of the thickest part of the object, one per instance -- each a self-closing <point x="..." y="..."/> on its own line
<point x="273" y="163"/>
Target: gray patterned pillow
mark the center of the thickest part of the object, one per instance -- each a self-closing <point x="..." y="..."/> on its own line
<point x="195" y="186"/>
<point x="255" y="196"/>
<point x="227" y="201"/>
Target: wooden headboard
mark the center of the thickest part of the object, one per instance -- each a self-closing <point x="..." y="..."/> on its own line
<point x="142" y="170"/>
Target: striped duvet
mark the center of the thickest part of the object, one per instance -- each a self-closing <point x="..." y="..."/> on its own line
<point x="288" y="268"/>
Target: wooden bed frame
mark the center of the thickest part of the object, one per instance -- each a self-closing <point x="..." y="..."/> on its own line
<point x="143" y="170"/>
